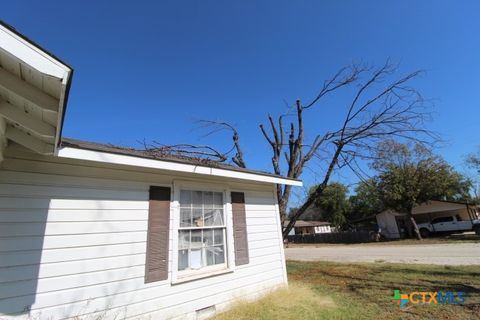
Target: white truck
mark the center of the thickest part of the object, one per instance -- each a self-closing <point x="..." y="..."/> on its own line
<point x="449" y="224"/>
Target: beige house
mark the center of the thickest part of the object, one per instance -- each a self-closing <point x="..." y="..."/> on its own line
<point x="393" y="225"/>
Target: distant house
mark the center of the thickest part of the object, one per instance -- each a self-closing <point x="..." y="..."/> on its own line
<point x="309" y="227"/>
<point x="393" y="224"/>
<point x="94" y="231"/>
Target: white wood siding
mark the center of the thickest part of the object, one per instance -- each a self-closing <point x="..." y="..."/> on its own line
<point x="73" y="240"/>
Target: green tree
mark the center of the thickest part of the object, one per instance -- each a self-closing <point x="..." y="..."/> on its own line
<point x="333" y="204"/>
<point x="473" y="161"/>
<point x="409" y="176"/>
<point x="366" y="201"/>
<point x="311" y="214"/>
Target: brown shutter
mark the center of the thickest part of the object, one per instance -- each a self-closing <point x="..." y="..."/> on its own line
<point x="239" y="228"/>
<point x="156" y="266"/>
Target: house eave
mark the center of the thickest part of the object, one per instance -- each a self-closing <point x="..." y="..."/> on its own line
<point x="26" y="76"/>
<point x="111" y="158"/>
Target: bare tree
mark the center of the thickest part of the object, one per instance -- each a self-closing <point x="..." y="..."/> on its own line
<point x="202" y="152"/>
<point x="396" y="110"/>
<point x="382" y="107"/>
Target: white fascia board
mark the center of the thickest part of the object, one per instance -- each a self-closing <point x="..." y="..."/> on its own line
<point x="105" y="157"/>
<point x="31" y="55"/>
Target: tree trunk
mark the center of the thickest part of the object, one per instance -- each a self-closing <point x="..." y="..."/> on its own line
<point x="316" y="194"/>
<point x="415" y="226"/>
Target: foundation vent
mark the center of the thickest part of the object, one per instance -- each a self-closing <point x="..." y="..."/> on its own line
<point x="205" y="313"/>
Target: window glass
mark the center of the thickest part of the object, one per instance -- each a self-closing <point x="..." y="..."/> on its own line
<point x="185" y="217"/>
<point x="442" y="219"/>
<point x="201" y="236"/>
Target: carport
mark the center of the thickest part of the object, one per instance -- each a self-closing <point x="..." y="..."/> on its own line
<point x="394" y="224"/>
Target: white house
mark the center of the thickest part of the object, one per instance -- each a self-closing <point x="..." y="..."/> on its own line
<point x="309" y="227"/>
<point x="90" y="231"/>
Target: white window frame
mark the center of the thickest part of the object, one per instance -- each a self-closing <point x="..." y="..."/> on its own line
<point x="228" y="266"/>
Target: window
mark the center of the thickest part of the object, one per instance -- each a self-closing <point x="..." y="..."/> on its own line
<point x="442" y="219"/>
<point x="201" y="230"/>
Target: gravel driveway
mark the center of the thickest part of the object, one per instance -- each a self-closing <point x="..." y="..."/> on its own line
<point x="442" y="254"/>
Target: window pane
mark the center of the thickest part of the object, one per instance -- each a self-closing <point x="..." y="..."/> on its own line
<point x="218" y="200"/>
<point x="214" y="217"/>
<point x="183" y="239"/>
<point x="218" y="217"/>
<point x="196" y="239"/>
<point x="185" y="217"/>
<point x="185" y="198"/>
<point x="210" y="256"/>
<point x="217" y="253"/>
<point x="208" y="200"/>
<point x="196" y="258"/>
<point x="208" y="237"/>
<point x="208" y="215"/>
<point x="218" y="238"/>
<point x="197" y="218"/>
<point x="197" y="199"/>
<point x="182" y="259"/>
<point x="220" y="256"/>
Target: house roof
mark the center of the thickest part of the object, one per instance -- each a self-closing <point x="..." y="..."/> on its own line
<point x="433" y="206"/>
<point x="302" y="223"/>
<point x="84" y="150"/>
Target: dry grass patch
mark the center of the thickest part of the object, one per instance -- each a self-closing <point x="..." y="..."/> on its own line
<point x="295" y="302"/>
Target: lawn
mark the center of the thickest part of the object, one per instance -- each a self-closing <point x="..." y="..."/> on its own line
<point x="324" y="290"/>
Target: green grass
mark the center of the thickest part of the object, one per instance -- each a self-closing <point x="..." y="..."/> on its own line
<point x="324" y="290"/>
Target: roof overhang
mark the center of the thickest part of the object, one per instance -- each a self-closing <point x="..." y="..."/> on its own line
<point x="432" y="206"/>
<point x="112" y="158"/>
<point x="34" y="89"/>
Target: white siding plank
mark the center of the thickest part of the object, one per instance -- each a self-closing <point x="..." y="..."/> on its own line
<point x="49" y="270"/>
<point x="59" y="215"/>
<point x="70" y="204"/>
<point x="12" y="229"/>
<point x="70" y="241"/>
<point x="70" y="193"/>
<point x="18" y="258"/>
<point x="15" y="177"/>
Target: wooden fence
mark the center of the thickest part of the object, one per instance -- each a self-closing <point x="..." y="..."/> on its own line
<point x="333" y="237"/>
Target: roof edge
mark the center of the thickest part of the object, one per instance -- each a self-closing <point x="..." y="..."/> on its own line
<point x="68" y="73"/>
<point x="33" y="43"/>
<point x="71" y="148"/>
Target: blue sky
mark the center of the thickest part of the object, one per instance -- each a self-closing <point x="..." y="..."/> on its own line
<point x="148" y="69"/>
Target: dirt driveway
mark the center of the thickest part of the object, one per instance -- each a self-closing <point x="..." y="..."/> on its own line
<point x="441" y="254"/>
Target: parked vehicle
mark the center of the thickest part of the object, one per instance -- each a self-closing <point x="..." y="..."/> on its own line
<point x="448" y="224"/>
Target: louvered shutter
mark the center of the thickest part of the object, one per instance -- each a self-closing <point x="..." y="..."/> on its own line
<point x="156" y="266"/>
<point x="239" y="228"/>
